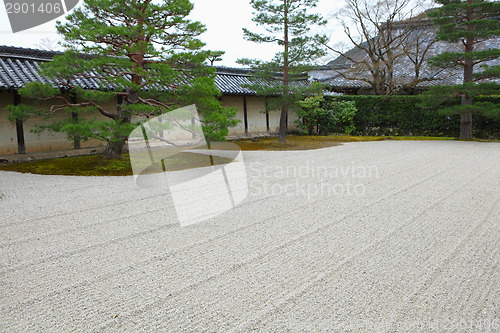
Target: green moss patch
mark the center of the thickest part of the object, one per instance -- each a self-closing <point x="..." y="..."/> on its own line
<point x="306" y="142"/>
<point x="293" y="142"/>
<point x="95" y="165"/>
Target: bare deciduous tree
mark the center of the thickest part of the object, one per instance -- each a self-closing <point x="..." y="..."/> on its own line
<point x="384" y="33"/>
<point x="48" y="44"/>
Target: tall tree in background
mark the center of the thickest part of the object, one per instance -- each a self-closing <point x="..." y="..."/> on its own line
<point x="214" y="56"/>
<point x="471" y="23"/>
<point x="144" y="56"/>
<point x="287" y="23"/>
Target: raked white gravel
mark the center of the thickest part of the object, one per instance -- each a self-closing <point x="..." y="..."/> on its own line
<point x="386" y="236"/>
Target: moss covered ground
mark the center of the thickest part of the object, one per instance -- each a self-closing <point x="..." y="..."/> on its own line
<point x="94" y="165"/>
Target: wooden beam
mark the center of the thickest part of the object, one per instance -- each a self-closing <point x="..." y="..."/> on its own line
<point x="267" y="116"/>
<point x="21" y="145"/>
<point x="245" y="114"/>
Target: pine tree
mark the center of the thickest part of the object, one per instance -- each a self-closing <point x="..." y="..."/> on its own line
<point x="471" y="23"/>
<point x="146" y="58"/>
<point x="287" y="24"/>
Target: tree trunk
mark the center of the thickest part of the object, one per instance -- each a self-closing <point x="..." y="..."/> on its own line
<point x="284" y="110"/>
<point x="21" y="145"/>
<point x="310" y="129"/>
<point x="466" y="119"/>
<point x="466" y="115"/>
<point x="113" y="150"/>
<point x="283" y="125"/>
<point x="466" y="125"/>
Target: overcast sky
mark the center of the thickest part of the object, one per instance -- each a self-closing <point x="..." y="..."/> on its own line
<point x="224" y="20"/>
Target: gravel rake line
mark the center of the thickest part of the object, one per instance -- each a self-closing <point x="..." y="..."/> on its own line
<point x="259" y="200"/>
<point x="130" y="268"/>
<point x="239" y="266"/>
<point x="225" y="235"/>
<point x="447" y="260"/>
<point x="79" y="211"/>
<point x="93" y="246"/>
<point x="489" y="268"/>
<point x="89" y="209"/>
<point x="295" y="156"/>
<point x="298" y="292"/>
<point x="352" y="278"/>
<point x="79" y="227"/>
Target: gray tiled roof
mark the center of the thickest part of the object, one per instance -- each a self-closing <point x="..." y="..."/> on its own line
<point x="19" y="66"/>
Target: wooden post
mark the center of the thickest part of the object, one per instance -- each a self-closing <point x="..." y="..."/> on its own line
<point x="267" y="116"/>
<point x="245" y="114"/>
<point x="74" y="115"/>
<point x="21" y="146"/>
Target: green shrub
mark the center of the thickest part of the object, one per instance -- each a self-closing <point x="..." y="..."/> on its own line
<point x="388" y="115"/>
<point x="314" y="113"/>
<point x="344" y="113"/>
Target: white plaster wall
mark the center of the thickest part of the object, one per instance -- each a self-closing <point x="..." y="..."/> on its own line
<point x="8" y="136"/>
<point x="256" y="112"/>
<point x="53" y="141"/>
<point x="237" y="102"/>
<point x="256" y="107"/>
<point x="38" y="142"/>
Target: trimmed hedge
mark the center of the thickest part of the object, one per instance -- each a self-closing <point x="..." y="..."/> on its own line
<point x="401" y="115"/>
